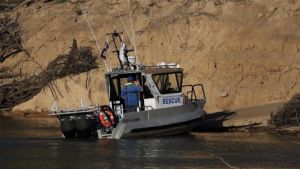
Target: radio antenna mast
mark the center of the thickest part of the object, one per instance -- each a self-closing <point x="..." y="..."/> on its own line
<point x="132" y="31"/>
<point x="89" y="25"/>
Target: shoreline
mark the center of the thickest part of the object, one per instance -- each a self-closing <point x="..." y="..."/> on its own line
<point x="40" y="117"/>
<point x="248" y="119"/>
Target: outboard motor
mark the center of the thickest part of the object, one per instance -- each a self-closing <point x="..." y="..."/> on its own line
<point x="68" y="126"/>
<point x="86" y="125"/>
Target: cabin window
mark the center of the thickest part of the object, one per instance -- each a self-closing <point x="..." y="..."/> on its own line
<point x="147" y="92"/>
<point x="116" y="84"/>
<point x="168" y="82"/>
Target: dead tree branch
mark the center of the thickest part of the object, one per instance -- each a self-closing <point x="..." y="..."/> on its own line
<point x="289" y="115"/>
<point x="77" y="61"/>
<point x="10" y="38"/>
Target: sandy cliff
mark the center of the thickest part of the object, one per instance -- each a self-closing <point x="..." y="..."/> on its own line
<point x="245" y="52"/>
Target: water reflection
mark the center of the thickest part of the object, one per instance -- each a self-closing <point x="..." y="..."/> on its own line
<point x="23" y="145"/>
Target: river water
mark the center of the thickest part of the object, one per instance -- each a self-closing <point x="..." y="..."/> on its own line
<point x="31" y="145"/>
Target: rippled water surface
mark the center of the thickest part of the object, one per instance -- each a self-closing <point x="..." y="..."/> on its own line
<point x="24" y="144"/>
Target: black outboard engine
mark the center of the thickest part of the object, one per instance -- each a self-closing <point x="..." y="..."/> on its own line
<point x="86" y="125"/>
<point x="87" y="122"/>
<point x="68" y="125"/>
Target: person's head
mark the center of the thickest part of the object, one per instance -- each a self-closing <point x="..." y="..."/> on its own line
<point x="130" y="78"/>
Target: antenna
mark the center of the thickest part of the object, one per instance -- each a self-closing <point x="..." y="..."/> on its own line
<point x="89" y="25"/>
<point x="126" y="30"/>
<point x="132" y="31"/>
<point x="122" y="52"/>
<point x="131" y="39"/>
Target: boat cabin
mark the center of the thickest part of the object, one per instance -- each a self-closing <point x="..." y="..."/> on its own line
<point x="162" y="87"/>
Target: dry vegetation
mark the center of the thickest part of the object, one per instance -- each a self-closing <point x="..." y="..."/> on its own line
<point x="77" y="61"/>
<point x="10" y="37"/>
<point x="288" y="118"/>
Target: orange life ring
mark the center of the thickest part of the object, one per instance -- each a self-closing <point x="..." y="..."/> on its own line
<point x="105" y="122"/>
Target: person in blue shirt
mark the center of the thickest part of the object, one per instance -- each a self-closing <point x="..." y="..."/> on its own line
<point x="130" y="93"/>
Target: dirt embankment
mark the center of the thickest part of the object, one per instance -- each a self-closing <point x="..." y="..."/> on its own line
<point x="244" y="52"/>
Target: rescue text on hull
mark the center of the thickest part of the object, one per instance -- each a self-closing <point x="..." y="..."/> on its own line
<point x="143" y="101"/>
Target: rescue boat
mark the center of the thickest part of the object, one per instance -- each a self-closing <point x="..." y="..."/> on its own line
<point x="165" y="105"/>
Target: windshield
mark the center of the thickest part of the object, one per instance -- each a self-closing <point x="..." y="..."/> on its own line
<point x="168" y="82"/>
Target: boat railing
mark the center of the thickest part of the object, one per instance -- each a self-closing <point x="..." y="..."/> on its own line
<point x="90" y="109"/>
<point x="158" y="66"/>
<point x="191" y="92"/>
